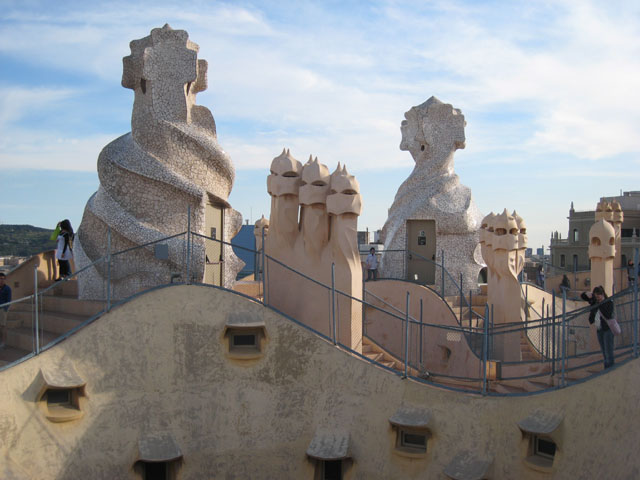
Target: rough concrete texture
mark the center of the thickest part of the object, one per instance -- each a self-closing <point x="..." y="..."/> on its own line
<point x="444" y="348"/>
<point x="612" y="213"/>
<point x="432" y="132"/>
<point x="503" y="241"/>
<point x="150" y="177"/>
<point x="602" y="251"/>
<point x="324" y="232"/>
<point x="167" y="373"/>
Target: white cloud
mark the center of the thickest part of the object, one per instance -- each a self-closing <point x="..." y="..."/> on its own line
<point x="541" y="84"/>
<point x="41" y="150"/>
<point x="17" y="102"/>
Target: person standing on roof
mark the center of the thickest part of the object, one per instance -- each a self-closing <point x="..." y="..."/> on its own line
<point x="5" y="297"/>
<point x="372" y="264"/>
<point x="64" y="250"/>
<point x="601" y="311"/>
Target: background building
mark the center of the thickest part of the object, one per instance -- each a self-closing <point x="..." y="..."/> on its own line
<point x="572" y="253"/>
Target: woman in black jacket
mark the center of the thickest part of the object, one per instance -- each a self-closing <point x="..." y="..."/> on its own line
<point x="601" y="311"/>
<point x="64" y="251"/>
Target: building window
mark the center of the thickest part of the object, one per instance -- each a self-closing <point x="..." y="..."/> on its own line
<point x="240" y="341"/>
<point x="575" y="263"/>
<point x="562" y="261"/>
<point x="155" y="471"/>
<point x="328" y="470"/>
<point x="412" y="432"/>
<point x="62" y="404"/>
<point x="538" y="432"/>
<point x="576" y="235"/>
<point x="159" y="457"/>
<point x="542" y="451"/>
<point x="59" y="397"/>
<point x="411" y="441"/>
<point x="62" y="394"/>
<point x="245" y="341"/>
<point x="544" y="447"/>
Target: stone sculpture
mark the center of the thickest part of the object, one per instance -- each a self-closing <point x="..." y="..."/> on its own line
<point x="314" y="216"/>
<point x="261" y="228"/>
<point x="149" y="178"/>
<point x="503" y="241"/>
<point x="612" y="213"/>
<point x="260" y="232"/>
<point x="432" y="132"/>
<point x="486" y="247"/>
<point x="602" y="251"/>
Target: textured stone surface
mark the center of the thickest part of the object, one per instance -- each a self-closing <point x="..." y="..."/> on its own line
<point x="314" y="219"/>
<point x="602" y="251"/>
<point x="610" y="212"/>
<point x="149" y="178"/>
<point x="503" y="241"/>
<point x="432" y="132"/>
<point x="257" y="422"/>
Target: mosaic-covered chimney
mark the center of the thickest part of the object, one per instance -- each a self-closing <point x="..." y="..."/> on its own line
<point x="170" y="163"/>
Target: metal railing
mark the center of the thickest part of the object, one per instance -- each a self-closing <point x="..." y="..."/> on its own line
<point x="444" y="281"/>
<point x="420" y="349"/>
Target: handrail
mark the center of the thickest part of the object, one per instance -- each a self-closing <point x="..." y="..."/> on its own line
<point x="455" y="283"/>
<point x="488" y="331"/>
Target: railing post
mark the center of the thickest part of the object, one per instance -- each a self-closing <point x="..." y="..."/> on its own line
<point x="256" y="267"/>
<point x="364" y="291"/>
<point x="526" y="310"/>
<point x="421" y="340"/>
<point x="108" y="268"/>
<point x="333" y="301"/>
<point x="406" y="337"/>
<point x="405" y="264"/>
<point x="554" y="350"/>
<point x="541" y="334"/>
<point x="470" y="309"/>
<point x="564" y="337"/>
<point x="188" y="280"/>
<point x="492" y="332"/>
<point x="485" y="345"/>
<point x="442" y="274"/>
<point x="635" y="302"/>
<point x="37" y="319"/>
<point x="461" y="299"/>
<point x="546" y="333"/>
<point x="263" y="272"/>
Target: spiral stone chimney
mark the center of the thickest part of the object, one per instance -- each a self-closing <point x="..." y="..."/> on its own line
<point x="169" y="164"/>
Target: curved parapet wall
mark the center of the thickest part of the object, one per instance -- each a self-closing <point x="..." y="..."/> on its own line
<point x="149" y="178"/>
<point x="259" y="418"/>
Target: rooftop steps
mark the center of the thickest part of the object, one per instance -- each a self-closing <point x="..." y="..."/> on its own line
<point x="59" y="312"/>
<point x="252" y="288"/>
<point x="376" y="353"/>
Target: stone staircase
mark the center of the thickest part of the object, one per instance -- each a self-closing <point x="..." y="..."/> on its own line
<point x="527" y="352"/>
<point x="249" y="287"/>
<point x="462" y="311"/>
<point x="374" y="352"/>
<point x="60" y="310"/>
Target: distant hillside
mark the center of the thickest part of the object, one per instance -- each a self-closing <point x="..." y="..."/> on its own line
<point x="24" y="240"/>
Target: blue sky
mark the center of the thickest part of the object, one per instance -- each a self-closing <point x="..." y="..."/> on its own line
<point x="549" y="91"/>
